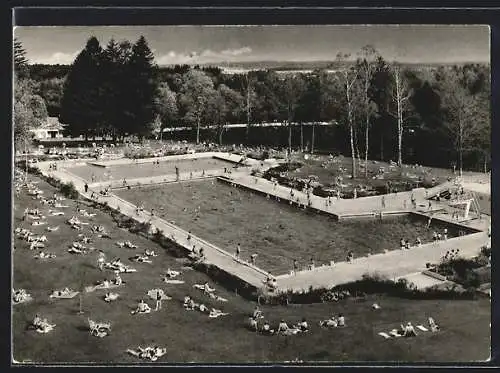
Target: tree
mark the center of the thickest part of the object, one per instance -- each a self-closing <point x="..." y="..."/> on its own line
<point x="381" y="95"/>
<point x="143" y="88"/>
<point x="51" y="90"/>
<point x="166" y="106"/>
<point x="196" y="92"/>
<point x="293" y="89"/>
<point x="250" y="98"/>
<point x="366" y="65"/>
<point x="81" y="105"/>
<point x="225" y="106"/>
<point x="20" y="60"/>
<point x="461" y="108"/>
<point x="29" y="110"/>
<point x="349" y="76"/>
<point x="401" y="96"/>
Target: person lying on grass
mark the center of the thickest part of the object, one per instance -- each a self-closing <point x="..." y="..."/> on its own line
<point x="141" y="258"/>
<point x="171" y="274"/>
<point x="62" y="293"/>
<point x="214" y="313"/>
<point x="20" y="296"/>
<point x="44" y="255"/>
<point x="329" y="323"/>
<point x="202" y="308"/>
<point x="109" y="297"/>
<point x="42" y="325"/>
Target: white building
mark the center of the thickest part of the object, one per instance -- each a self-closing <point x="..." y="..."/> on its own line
<point x="50" y="130"/>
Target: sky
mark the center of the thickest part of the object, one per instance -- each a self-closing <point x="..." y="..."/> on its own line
<point x="212" y="44"/>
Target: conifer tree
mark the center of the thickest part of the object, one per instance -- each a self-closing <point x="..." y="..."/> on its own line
<point x="143" y="89"/>
<point x="81" y="106"/>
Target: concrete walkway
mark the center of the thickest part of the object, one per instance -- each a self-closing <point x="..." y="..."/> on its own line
<point x="393" y="264"/>
<point x="340" y="208"/>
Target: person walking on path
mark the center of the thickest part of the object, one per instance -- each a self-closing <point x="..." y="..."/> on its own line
<point x="383" y="202"/>
<point x="252" y="259"/>
<point x="86" y="187"/>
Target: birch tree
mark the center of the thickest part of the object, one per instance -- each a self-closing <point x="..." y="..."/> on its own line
<point x="367" y="66"/>
<point x="401" y="95"/>
<point x="349" y="77"/>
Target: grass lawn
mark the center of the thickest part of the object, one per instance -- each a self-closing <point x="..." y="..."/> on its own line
<point x="277" y="232"/>
<point x="328" y="172"/>
<point x="193" y="337"/>
<point x="132" y="171"/>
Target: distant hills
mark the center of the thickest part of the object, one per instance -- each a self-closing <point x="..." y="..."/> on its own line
<point x="307" y="65"/>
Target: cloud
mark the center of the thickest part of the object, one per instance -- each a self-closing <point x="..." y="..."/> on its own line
<point x="57" y="58"/>
<point x="237" y="52"/>
<point x="204" y="56"/>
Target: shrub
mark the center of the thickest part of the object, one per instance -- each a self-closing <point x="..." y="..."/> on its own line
<point x="372" y="284"/>
<point x="69" y="190"/>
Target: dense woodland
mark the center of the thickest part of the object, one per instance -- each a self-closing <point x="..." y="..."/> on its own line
<point x="376" y="109"/>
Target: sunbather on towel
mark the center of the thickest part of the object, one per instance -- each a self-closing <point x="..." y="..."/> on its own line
<point x="282" y="327"/>
<point x="172" y="274"/>
<point x="214" y="313"/>
<point x="330" y="323"/>
<point x="433" y="326"/>
<point x="252" y="324"/>
<point x="109" y="297"/>
<point x="266" y="329"/>
<point x="202" y="308"/>
<point x="142" y="307"/>
<point x="302" y="325"/>
<point x="207" y="288"/>
<point x="410" y="330"/>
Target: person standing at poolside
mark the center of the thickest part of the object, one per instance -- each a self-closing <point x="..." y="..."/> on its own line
<point x="238" y="252"/>
<point x="295" y="266"/>
<point x="176" y="173"/>
<point x="383" y="202"/>
<point x="252" y="259"/>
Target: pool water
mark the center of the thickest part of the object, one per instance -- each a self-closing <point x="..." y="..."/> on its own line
<point x="132" y="171"/>
<point x="276" y="232"/>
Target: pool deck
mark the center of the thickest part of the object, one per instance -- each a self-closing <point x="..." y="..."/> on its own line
<point x="393" y="264"/>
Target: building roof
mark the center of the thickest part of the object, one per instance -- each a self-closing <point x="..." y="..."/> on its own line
<point x="52" y="124"/>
